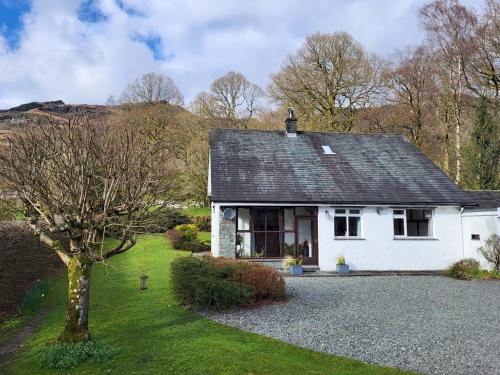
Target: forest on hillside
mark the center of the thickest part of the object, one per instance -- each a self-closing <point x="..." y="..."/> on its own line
<point x="442" y="94"/>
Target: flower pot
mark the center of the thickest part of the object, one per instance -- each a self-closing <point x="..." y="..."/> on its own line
<point x="295" y="270"/>
<point x="342" y="268"/>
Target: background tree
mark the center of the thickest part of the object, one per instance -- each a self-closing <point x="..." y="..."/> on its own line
<point x="231" y="96"/>
<point x="332" y="76"/>
<point x="482" y="162"/>
<point x="152" y="88"/>
<point x="482" y="73"/>
<point x="85" y="178"/>
<point x="411" y="85"/>
<point x="450" y="32"/>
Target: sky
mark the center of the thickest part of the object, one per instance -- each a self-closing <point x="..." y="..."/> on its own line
<point x="85" y="51"/>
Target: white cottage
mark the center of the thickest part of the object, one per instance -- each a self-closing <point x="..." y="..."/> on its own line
<point x="373" y="198"/>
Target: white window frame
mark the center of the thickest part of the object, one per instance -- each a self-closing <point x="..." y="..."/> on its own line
<point x="347" y="213"/>
<point x="405" y="219"/>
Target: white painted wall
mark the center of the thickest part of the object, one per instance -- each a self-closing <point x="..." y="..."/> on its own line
<point x="483" y="223"/>
<point x="378" y="250"/>
<point x="215" y="229"/>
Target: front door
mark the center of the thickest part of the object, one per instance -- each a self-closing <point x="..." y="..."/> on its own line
<point x="307" y="238"/>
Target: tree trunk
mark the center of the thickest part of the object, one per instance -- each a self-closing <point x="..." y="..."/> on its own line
<point x="76" y="325"/>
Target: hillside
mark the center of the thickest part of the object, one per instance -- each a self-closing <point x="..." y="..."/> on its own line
<point x="17" y="117"/>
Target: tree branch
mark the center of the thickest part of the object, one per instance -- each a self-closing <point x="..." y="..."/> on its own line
<point x="121" y="248"/>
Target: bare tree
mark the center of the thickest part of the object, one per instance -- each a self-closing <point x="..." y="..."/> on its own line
<point x="205" y="105"/>
<point x="450" y="31"/>
<point x="482" y="73"/>
<point x="85" y="179"/>
<point x="231" y="96"/>
<point x="332" y="76"/>
<point x="491" y="250"/>
<point x="152" y="88"/>
<point x="412" y="85"/>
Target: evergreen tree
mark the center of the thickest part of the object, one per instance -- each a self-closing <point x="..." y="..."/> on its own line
<point x="483" y="150"/>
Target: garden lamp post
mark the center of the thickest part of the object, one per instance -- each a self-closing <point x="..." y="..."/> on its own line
<point x="144" y="281"/>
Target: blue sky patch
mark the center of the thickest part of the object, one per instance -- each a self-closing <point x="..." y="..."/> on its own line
<point x="89" y="12"/>
<point x="154" y="43"/>
<point x="11" y="22"/>
<point x="128" y="9"/>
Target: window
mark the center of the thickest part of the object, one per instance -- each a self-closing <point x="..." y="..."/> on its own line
<point x="265" y="232"/>
<point x="347" y="222"/>
<point x="412" y="222"/>
<point x="475" y="237"/>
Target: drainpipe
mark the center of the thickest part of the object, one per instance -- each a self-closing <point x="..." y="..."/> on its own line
<point x="462" y="231"/>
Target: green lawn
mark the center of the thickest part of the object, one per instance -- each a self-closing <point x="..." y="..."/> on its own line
<point x="204" y="237"/>
<point x="196" y="211"/>
<point x="156" y="336"/>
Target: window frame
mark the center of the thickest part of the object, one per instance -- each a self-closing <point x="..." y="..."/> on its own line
<point x="347" y="214"/>
<point x="404" y="216"/>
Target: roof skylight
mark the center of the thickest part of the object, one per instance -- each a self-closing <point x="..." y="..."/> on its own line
<point x="327" y="150"/>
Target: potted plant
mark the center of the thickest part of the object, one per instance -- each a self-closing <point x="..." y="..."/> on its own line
<point x="341" y="266"/>
<point x="294" y="265"/>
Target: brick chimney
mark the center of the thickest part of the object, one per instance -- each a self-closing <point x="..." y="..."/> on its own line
<point x="291" y="123"/>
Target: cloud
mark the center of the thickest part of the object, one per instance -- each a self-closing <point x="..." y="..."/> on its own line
<point x="83" y="51"/>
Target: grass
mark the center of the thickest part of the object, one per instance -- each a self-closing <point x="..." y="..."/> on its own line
<point x="33" y="299"/>
<point x="155" y="335"/>
<point x="484" y="274"/>
<point x="8" y="328"/>
<point x="196" y="211"/>
<point x="204" y="237"/>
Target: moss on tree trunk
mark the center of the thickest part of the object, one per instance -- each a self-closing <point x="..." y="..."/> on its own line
<point x="76" y="325"/>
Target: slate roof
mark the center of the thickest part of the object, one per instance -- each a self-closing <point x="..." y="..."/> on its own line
<point x="268" y="166"/>
<point x="485" y="199"/>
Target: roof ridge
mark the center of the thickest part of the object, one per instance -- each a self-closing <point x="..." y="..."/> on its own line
<point x="308" y="132"/>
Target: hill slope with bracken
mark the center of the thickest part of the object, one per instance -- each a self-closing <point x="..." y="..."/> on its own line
<point x="20" y="116"/>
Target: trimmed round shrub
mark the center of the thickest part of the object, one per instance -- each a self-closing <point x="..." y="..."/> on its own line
<point x="206" y="282"/>
<point x="195" y="282"/>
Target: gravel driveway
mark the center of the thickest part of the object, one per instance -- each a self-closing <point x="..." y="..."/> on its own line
<point x="430" y="324"/>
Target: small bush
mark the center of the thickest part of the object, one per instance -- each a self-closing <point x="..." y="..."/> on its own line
<point x="219" y="283"/>
<point x="189" y="231"/>
<point x="203" y="222"/>
<point x="176" y="238"/>
<point x="491" y="250"/>
<point x="463" y="268"/>
<point x="266" y="282"/>
<point x="196" y="246"/>
<point x="63" y="356"/>
<point x="184" y="237"/>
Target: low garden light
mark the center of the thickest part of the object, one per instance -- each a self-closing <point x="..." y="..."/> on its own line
<point x="144" y="281"/>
